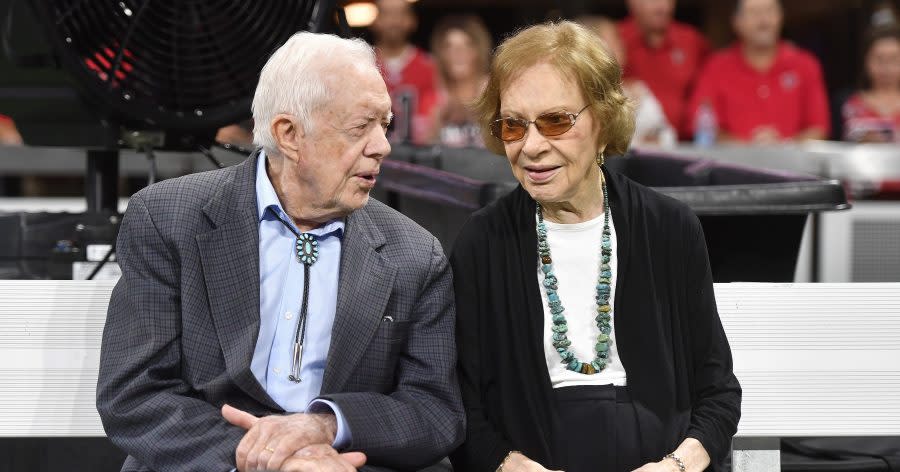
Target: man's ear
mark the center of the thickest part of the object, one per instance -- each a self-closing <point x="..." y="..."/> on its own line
<point x="288" y="134"/>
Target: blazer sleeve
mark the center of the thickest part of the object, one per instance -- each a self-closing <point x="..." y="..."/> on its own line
<point x="716" y="392"/>
<point x="422" y="420"/>
<point x="146" y="408"/>
<point x="485" y="447"/>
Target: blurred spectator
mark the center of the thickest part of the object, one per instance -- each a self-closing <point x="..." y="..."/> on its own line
<point x="9" y="135"/>
<point x="884" y="14"/>
<point x="239" y="134"/>
<point x="408" y="71"/>
<point x="651" y="126"/>
<point x="873" y="113"/>
<point x="461" y="46"/>
<point x="665" y="54"/>
<point x="762" y="89"/>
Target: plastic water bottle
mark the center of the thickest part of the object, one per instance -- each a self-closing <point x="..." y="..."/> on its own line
<point x="706" y="126"/>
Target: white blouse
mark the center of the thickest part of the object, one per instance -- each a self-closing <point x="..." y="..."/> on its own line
<point x="575" y="250"/>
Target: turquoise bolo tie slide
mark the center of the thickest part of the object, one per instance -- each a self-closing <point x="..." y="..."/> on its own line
<point x="307" y="249"/>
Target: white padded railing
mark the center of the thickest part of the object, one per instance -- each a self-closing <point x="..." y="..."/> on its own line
<point x="813" y="359"/>
<point x="49" y="355"/>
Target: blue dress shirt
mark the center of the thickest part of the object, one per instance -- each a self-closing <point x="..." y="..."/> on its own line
<point x="280" y="292"/>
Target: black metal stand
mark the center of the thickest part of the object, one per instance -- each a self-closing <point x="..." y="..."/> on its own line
<point x="101" y="183"/>
<point x="816" y="221"/>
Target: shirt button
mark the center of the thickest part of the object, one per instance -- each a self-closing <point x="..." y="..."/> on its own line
<point x="288" y="315"/>
<point x="276" y="370"/>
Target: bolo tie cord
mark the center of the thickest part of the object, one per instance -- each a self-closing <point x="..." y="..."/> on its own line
<point x="306" y="250"/>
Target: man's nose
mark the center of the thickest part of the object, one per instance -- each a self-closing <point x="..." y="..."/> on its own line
<point x="379" y="146"/>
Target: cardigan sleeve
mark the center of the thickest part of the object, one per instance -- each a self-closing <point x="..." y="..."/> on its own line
<point x="716" y="392"/>
<point x="484" y="447"/>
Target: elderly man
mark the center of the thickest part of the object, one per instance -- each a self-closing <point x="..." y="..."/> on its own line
<point x="270" y="314"/>
<point x="761" y="89"/>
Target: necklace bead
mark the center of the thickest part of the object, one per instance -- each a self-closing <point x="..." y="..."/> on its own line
<point x="604" y="311"/>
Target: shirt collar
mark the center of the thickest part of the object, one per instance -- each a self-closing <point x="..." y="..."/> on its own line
<point x="267" y="202"/>
<point x="780" y="54"/>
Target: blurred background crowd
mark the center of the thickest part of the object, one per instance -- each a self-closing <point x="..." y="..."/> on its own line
<point x="755" y="71"/>
<point x="730" y="71"/>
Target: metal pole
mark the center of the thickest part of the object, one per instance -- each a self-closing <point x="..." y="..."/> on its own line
<point x="101" y="182"/>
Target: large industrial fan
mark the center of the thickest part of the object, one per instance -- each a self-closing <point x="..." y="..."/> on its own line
<point x="177" y="66"/>
<point x="148" y="75"/>
<point x="145" y="74"/>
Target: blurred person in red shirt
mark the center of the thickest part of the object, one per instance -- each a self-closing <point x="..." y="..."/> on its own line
<point x="650" y="124"/>
<point x="407" y="70"/>
<point x="762" y="89"/>
<point x="872" y="114"/>
<point x="665" y="54"/>
<point x="461" y="46"/>
<point x="9" y="135"/>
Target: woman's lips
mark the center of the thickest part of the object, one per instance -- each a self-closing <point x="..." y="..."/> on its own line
<point x="541" y="174"/>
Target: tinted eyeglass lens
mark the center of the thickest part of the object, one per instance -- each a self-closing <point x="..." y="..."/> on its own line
<point x="512" y="129"/>
<point x="553" y="124"/>
<point x="548" y="124"/>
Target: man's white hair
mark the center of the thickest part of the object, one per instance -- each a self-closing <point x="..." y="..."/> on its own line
<point x="294" y="81"/>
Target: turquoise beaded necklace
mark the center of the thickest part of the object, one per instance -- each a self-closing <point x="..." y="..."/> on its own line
<point x="604" y="311"/>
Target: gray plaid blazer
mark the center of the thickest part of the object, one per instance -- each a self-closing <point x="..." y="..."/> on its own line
<point x="183" y="321"/>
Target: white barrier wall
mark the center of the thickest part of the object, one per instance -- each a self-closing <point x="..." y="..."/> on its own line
<point x="49" y="355"/>
<point x="813" y="359"/>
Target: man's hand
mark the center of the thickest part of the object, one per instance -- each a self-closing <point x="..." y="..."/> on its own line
<point x="323" y="458"/>
<point x="271" y="440"/>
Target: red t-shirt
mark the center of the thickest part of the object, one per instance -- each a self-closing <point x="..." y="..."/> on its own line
<point x="414" y="76"/>
<point x="860" y="121"/>
<point x="669" y="70"/>
<point x="789" y="96"/>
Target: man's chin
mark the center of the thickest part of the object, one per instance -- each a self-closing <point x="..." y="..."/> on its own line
<point x="357" y="202"/>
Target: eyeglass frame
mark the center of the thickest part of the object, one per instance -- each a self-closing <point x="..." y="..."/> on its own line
<point x="528" y="123"/>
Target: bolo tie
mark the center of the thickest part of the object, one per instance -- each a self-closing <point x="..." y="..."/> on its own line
<point x="306" y="249"/>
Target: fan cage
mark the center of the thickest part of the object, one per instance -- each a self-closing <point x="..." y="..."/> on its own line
<point x="179" y="65"/>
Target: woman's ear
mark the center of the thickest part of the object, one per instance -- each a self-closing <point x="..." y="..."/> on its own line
<point x="601" y="145"/>
<point x="288" y="135"/>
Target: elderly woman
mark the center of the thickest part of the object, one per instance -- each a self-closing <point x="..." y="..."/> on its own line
<point x="587" y="328"/>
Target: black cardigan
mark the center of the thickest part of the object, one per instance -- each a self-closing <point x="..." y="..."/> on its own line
<point x="669" y="335"/>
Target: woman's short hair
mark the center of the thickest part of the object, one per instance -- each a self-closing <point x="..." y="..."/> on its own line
<point x="295" y="79"/>
<point x="471" y="26"/>
<point x="577" y="53"/>
<point x="872" y="36"/>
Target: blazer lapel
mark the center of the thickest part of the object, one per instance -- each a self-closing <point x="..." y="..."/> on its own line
<point x="365" y="286"/>
<point x="229" y="255"/>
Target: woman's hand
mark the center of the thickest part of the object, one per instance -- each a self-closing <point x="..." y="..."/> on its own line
<point x="517" y="462"/>
<point x="665" y="465"/>
<point x="691" y="452"/>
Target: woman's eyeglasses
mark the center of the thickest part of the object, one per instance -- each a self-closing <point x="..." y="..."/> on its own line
<point x="549" y="124"/>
